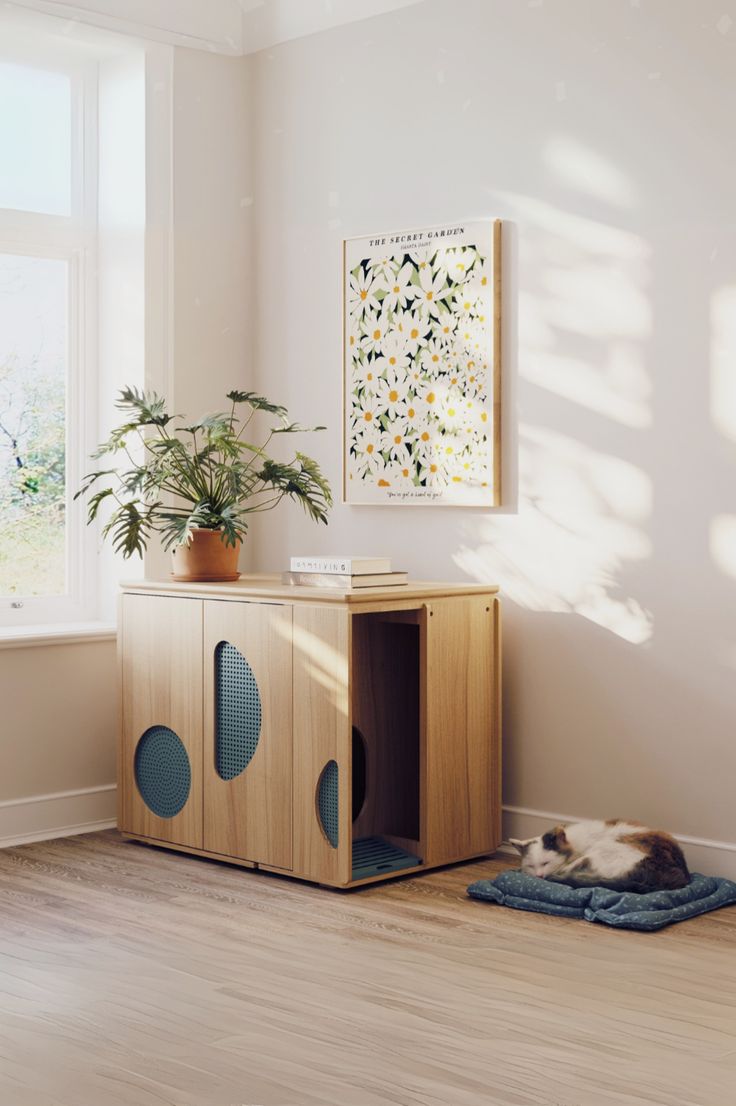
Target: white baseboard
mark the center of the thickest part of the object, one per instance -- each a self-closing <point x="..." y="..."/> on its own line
<point x="60" y="814"/>
<point x="712" y="858"/>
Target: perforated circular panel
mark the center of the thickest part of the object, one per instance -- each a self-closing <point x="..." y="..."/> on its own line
<point x="162" y="771"/>
<point x="238" y="712"/>
<point x="327" y="802"/>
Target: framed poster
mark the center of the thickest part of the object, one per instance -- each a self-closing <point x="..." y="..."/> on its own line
<point x="422" y="372"/>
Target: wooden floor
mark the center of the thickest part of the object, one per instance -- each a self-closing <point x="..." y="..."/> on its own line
<point x="135" y="977"/>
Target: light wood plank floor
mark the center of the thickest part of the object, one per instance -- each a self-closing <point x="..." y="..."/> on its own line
<point x="135" y="977"/>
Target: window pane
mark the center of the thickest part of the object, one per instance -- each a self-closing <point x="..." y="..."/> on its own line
<point x="35" y="140"/>
<point x="33" y="374"/>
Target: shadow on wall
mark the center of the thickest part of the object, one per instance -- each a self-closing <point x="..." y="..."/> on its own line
<point x="627" y="419"/>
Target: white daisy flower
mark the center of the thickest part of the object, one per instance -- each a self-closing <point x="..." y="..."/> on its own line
<point x="384" y="268"/>
<point x="444" y="326"/>
<point x="448" y="448"/>
<point x="421" y="258"/>
<point x="471" y="338"/>
<point x="474" y="378"/>
<point x="459" y="262"/>
<point x="432" y="473"/>
<point x="480" y="278"/>
<point x="366" y="372"/>
<point x="366" y="411"/>
<point x="430" y="292"/>
<point x="432" y="357"/>
<point x="375" y="329"/>
<point x="432" y="393"/>
<point x="412" y="415"/>
<point x="452" y="412"/>
<point x="391" y="392"/>
<point x="367" y="446"/>
<point x="414" y="328"/>
<point x="400" y="290"/>
<point x="362" y="294"/>
<point x="394" y="441"/>
<point x="465" y="301"/>
<point x="395" y="349"/>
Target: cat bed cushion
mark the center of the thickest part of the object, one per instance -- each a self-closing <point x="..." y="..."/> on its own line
<point x="624" y="909"/>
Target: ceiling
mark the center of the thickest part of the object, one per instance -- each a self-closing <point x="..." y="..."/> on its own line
<point x="224" y="26"/>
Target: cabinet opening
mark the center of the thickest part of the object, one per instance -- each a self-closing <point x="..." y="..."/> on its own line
<point x="386" y="753"/>
<point x="359" y="781"/>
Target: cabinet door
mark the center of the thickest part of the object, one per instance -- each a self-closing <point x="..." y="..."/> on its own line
<point x="161" y="746"/>
<point x="248" y="731"/>
<point x="322" y="744"/>
<point x="462" y="733"/>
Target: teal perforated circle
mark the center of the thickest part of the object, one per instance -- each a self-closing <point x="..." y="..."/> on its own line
<point x="327" y="802"/>
<point x="237" y="713"/>
<point x="162" y="771"/>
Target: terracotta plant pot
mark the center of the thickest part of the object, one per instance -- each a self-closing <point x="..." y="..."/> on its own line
<point x="206" y="558"/>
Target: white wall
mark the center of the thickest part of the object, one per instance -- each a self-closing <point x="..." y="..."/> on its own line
<point x="213" y="215"/>
<point x="604" y="133"/>
<point x="57" y="747"/>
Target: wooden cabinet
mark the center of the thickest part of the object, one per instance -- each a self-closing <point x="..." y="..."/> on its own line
<point x="161" y="642"/>
<point x="247" y="801"/>
<point x="342" y="737"/>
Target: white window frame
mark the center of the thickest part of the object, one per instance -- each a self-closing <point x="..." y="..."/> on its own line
<point x="72" y="238"/>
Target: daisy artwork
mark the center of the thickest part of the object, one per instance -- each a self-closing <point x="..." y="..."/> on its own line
<point x="422" y="367"/>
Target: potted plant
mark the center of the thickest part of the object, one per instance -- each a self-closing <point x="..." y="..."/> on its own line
<point x="197" y="484"/>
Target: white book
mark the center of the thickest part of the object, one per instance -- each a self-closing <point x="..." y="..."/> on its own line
<point x="342" y="566"/>
<point x="338" y="580"/>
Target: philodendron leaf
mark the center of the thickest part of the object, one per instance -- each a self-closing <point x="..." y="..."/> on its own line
<point x="177" y="527"/>
<point x="209" y="476"/>
<point x="130" y="529"/>
<point x="90" y="479"/>
<point x="150" y="407"/>
<point x="258" y="403"/>
<point x="295" y="428"/>
<point x="303" y="482"/>
<point x="94" y="503"/>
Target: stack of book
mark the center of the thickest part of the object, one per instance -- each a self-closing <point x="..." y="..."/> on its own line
<point x="343" y="572"/>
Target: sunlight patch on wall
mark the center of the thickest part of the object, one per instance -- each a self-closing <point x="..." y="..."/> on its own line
<point x="585" y="170"/>
<point x="723" y="543"/>
<point x="580" y="526"/>
<point x="619" y="391"/>
<point x="584" y="312"/>
<point x="723" y="360"/>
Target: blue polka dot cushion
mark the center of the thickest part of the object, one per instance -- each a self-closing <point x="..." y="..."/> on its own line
<point x="624" y="909"/>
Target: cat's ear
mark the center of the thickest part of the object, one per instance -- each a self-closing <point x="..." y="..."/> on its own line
<point x="556" y="840"/>
<point x="520" y="846"/>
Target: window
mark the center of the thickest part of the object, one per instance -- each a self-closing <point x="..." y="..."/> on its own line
<point x="84" y="293"/>
<point x="48" y="308"/>
<point x="34" y="313"/>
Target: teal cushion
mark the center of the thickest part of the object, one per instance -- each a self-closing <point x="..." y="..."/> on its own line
<point x="625" y="909"/>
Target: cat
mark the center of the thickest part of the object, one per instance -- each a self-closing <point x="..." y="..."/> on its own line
<point x="624" y="856"/>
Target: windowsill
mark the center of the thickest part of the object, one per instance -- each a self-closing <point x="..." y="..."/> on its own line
<point x="62" y="633"/>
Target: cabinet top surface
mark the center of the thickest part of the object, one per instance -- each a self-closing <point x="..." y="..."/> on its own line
<point x="263" y="586"/>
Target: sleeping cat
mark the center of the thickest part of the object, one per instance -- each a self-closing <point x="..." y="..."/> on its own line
<point x="622" y="855"/>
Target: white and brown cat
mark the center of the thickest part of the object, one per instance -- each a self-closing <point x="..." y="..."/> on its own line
<point x="622" y="855"/>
